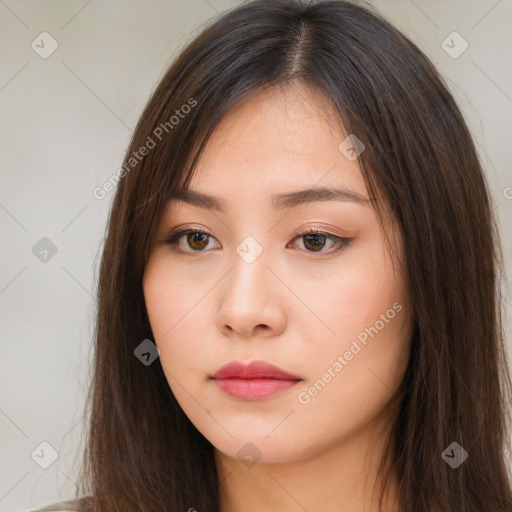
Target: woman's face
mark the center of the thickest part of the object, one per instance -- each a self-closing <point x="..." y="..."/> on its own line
<point x="331" y="312"/>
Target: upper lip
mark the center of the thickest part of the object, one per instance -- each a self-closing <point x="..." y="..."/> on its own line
<point x="254" y="370"/>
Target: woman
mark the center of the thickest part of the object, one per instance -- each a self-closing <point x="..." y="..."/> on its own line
<point x="337" y="345"/>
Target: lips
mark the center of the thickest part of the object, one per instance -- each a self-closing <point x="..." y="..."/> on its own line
<point x="254" y="381"/>
<point x="254" y="370"/>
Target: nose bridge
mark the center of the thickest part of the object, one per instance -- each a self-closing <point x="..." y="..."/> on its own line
<point x="249" y="279"/>
<point x="248" y="297"/>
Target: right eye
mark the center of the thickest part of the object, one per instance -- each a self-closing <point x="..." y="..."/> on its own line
<point x="195" y="239"/>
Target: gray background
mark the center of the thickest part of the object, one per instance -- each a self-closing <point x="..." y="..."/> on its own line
<point x="65" y="123"/>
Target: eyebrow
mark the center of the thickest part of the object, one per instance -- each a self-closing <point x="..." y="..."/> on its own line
<point x="279" y="201"/>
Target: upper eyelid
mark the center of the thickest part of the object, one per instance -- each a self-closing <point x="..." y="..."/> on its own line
<point x="321" y="229"/>
<point x="302" y="232"/>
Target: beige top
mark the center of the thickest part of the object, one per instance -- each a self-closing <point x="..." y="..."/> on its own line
<point x="56" y="507"/>
<point x="63" y="506"/>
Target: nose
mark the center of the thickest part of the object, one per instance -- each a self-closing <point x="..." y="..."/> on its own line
<point x="251" y="301"/>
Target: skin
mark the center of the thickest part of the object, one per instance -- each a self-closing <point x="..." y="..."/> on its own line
<point x="293" y="307"/>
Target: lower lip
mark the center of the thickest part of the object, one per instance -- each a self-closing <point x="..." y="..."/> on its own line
<point x="254" y="389"/>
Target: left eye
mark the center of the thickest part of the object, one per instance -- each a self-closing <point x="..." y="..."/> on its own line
<point x="313" y="240"/>
<point x="316" y="240"/>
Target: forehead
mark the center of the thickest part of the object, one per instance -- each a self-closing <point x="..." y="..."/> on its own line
<point x="292" y="120"/>
<point x="280" y="140"/>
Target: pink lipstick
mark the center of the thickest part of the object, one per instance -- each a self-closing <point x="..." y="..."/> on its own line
<point x="254" y="381"/>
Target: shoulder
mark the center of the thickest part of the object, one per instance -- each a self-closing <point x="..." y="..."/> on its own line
<point x="54" y="508"/>
<point x="75" y="505"/>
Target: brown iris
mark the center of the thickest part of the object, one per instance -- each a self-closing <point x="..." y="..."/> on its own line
<point x="197" y="240"/>
<point x="315" y="238"/>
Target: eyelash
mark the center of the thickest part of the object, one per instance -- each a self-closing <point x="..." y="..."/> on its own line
<point x="341" y="243"/>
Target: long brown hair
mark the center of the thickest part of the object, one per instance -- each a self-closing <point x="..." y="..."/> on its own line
<point x="142" y="452"/>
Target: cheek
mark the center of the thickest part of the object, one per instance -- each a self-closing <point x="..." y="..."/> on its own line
<point x="370" y="327"/>
<point x="174" y="317"/>
<point x="354" y="374"/>
<point x="160" y="305"/>
<point x="178" y="328"/>
<point x="172" y="299"/>
<point x="354" y="295"/>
